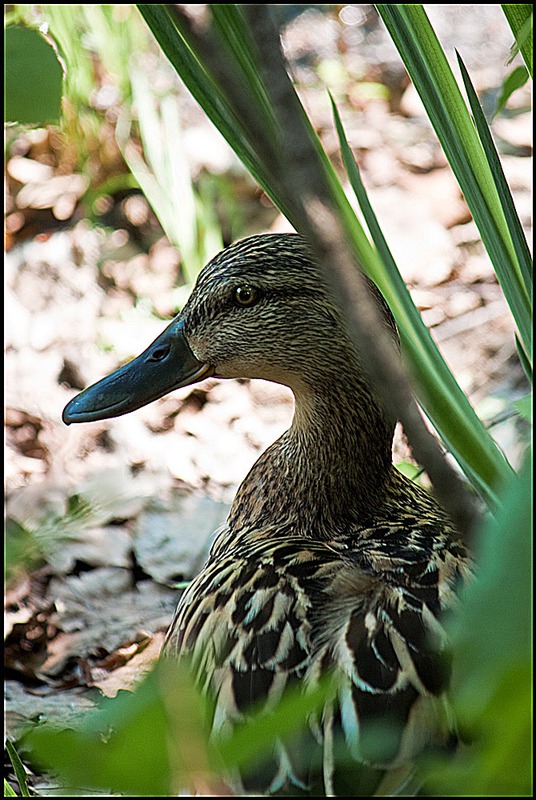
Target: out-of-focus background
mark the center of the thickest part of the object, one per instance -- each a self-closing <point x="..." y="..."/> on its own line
<point x="108" y="219"/>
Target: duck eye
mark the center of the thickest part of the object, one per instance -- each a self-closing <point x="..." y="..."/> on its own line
<point x="246" y="295"/>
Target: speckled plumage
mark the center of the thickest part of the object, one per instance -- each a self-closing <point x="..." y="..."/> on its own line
<point x="331" y="561"/>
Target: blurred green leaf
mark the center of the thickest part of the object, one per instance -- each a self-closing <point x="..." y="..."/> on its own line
<point x="78" y="507"/>
<point x="523" y="406"/>
<point x="494" y="629"/>
<point x="515" y="80"/>
<point x="155" y="740"/>
<point x="121" y="747"/>
<point x="33" y="78"/>
<point x="23" y="551"/>
<point x="255" y="737"/>
<point x="491" y="637"/>
<point x="410" y="470"/>
<point x="30" y="542"/>
<point x="498" y="764"/>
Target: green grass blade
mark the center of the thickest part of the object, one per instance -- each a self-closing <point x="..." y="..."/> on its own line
<point x="512" y="218"/>
<point x="201" y="84"/>
<point x="233" y="31"/>
<point x="487" y="468"/>
<point x="503" y="190"/>
<point x="18" y="768"/>
<point x="180" y="49"/>
<point x="519" y="16"/>
<point x="517" y="78"/>
<point x="439" y="393"/>
<point x="8" y="791"/>
<point x="211" y="98"/>
<point x="427" y="65"/>
<point x="524" y="361"/>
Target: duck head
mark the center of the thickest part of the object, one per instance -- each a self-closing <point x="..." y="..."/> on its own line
<point x="259" y="309"/>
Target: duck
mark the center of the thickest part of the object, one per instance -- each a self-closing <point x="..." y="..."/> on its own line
<point x="331" y="561"/>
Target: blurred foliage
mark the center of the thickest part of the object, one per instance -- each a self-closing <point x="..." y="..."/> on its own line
<point x="155" y="740"/>
<point x="30" y="543"/>
<point x="120" y="127"/>
<point x="491" y="639"/>
<point x="164" y="177"/>
<point x="86" y="39"/>
<point x="22" y="550"/>
<point x="514" y="81"/>
<point x="33" y="78"/>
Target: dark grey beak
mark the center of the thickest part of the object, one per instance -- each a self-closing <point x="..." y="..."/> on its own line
<point x="167" y="364"/>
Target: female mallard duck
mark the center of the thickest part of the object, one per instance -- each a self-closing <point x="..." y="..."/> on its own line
<point x="330" y="560"/>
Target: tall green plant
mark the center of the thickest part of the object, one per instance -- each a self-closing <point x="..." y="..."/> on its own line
<point x="491" y="687"/>
<point x="519" y="16"/>
<point x="255" y="138"/>
<point x="472" y="162"/>
<point x="163" y="174"/>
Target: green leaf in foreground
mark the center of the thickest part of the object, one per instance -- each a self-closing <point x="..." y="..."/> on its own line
<point x="155" y="740"/>
<point x="491" y="635"/>
<point x="120" y="748"/>
<point x="433" y="78"/>
<point x="523" y="406"/>
<point x="524" y="260"/>
<point x="519" y="16"/>
<point x="33" y="78"/>
<point x="20" y="772"/>
<point x="8" y="791"/>
<point x="515" y="80"/>
<point x="23" y="550"/>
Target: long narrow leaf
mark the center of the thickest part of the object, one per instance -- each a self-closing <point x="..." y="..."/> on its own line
<point x="503" y="190"/>
<point x="234" y="33"/>
<point x="201" y="84"/>
<point x="514" y="81"/>
<point x="427" y="65"/>
<point x="211" y="98"/>
<point x="486" y="465"/>
<point x="491" y="683"/>
<point x="18" y="767"/>
<point x="439" y="393"/>
<point x="519" y="16"/>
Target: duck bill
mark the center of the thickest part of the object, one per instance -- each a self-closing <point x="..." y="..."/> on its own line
<point x="167" y="364"/>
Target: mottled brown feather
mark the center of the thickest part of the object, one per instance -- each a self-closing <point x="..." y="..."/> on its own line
<point x="330" y="560"/>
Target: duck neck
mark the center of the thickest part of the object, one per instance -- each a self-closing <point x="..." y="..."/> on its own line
<point x="327" y="471"/>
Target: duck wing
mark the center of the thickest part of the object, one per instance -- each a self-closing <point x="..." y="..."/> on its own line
<point x="274" y="612"/>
